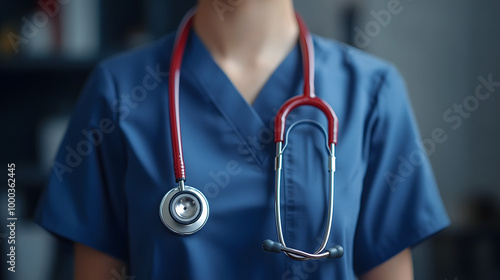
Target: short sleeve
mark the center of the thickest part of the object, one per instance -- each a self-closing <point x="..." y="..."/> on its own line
<point x="400" y="204"/>
<point x="84" y="201"/>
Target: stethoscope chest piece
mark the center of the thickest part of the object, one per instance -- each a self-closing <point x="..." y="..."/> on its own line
<point x="184" y="211"/>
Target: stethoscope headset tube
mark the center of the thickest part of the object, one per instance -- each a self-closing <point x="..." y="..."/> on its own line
<point x="308" y="98"/>
<point x="277" y="247"/>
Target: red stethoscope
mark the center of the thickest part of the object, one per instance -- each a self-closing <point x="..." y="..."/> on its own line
<point x="185" y="210"/>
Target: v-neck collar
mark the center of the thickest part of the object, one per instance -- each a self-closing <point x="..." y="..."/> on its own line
<point x="252" y="123"/>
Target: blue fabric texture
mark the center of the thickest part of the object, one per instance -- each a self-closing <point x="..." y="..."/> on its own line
<point x="115" y="165"/>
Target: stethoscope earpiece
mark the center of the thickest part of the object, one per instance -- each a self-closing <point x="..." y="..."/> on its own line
<point x="335" y="252"/>
<point x="275" y="247"/>
<point x="271" y="246"/>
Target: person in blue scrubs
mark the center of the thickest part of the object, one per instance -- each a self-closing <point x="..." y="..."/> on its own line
<point x="240" y="65"/>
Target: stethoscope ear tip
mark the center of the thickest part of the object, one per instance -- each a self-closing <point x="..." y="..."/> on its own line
<point x="335" y="252"/>
<point x="272" y="247"/>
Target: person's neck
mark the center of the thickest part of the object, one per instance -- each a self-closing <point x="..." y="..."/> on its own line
<point x="250" y="30"/>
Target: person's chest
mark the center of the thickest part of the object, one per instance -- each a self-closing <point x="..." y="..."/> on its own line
<point x="229" y="155"/>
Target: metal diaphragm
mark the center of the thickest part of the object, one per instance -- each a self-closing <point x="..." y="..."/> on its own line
<point x="184" y="212"/>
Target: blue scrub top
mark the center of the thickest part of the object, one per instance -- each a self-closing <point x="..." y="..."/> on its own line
<point x="115" y="165"/>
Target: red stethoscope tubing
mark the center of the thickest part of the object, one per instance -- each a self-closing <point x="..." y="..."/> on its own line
<point x="307" y="98"/>
<point x="173" y="89"/>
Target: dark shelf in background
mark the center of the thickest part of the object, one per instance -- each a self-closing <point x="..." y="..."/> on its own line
<point x="34" y="88"/>
<point x="47" y="63"/>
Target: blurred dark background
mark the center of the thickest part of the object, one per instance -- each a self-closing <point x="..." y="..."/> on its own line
<point x="441" y="47"/>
